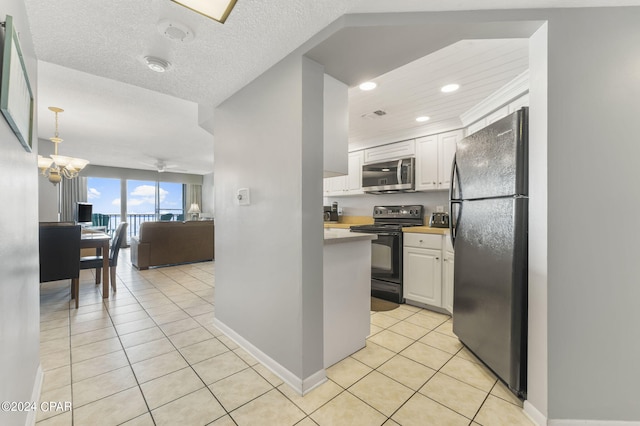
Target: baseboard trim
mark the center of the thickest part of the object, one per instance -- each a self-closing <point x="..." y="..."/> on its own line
<point x="35" y="396"/>
<point x="313" y="381"/>
<point x="301" y="386"/>
<point x="570" y="422"/>
<point x="534" y="414"/>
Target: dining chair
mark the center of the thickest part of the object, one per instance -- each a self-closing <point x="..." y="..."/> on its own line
<point x="95" y="262"/>
<point x="166" y="217"/>
<point x="59" y="250"/>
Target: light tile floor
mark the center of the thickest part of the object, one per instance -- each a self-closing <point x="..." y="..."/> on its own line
<point x="151" y="355"/>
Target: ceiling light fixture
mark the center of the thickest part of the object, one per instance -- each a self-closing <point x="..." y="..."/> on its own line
<point x="218" y="10"/>
<point x="450" y="88"/>
<point x="156" y="64"/>
<point x="422" y="119"/>
<point x="368" y="85"/>
<point x="57" y="166"/>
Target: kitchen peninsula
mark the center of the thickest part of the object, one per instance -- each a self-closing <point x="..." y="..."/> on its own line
<point x="347" y="293"/>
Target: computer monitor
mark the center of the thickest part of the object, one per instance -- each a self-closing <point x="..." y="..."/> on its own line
<point x="84" y="213"/>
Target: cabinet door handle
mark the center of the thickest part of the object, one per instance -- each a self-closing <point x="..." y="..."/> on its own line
<point x="437" y="258"/>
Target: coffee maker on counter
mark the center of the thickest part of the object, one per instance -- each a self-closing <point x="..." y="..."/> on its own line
<point x="331" y="213"/>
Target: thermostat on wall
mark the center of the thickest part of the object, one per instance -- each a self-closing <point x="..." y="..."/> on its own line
<point x="243" y="197"/>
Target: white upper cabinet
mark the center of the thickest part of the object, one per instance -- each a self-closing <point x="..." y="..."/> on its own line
<point x="350" y="184"/>
<point x="336" y="127"/>
<point x="392" y="151"/>
<point x="427" y="163"/>
<point x="522" y="101"/>
<point x="509" y="98"/>
<point x="354" y="179"/>
<point x="496" y="115"/>
<point x="336" y="185"/>
<point x="446" y="151"/>
<point x="434" y="155"/>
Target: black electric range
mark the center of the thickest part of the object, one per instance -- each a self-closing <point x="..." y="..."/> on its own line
<point x="386" y="250"/>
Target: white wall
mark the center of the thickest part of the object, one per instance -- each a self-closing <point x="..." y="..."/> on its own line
<point x="336" y="127"/>
<point x="362" y="205"/>
<point x="593" y="152"/>
<point x="269" y="254"/>
<point x="19" y="287"/>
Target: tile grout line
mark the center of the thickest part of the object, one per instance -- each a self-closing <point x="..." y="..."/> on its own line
<point x="129" y="361"/>
<point x="177" y="350"/>
<point x="428" y="380"/>
<point x="204" y="296"/>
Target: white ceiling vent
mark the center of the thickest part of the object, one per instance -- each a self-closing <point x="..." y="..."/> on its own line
<point x="175" y="31"/>
<point x="375" y="114"/>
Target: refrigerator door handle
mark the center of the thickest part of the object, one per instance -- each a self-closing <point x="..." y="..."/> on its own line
<point x="453" y="222"/>
<point x="452" y="202"/>
<point x="454" y="172"/>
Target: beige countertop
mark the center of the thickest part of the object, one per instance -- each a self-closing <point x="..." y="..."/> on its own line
<point x="330" y="225"/>
<point x="426" y="230"/>
<point x="348" y="221"/>
<point x="335" y="236"/>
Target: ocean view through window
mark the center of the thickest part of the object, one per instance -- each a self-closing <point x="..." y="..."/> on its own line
<point x="138" y="201"/>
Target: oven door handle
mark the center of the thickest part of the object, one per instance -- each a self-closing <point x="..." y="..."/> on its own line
<point x="386" y="234"/>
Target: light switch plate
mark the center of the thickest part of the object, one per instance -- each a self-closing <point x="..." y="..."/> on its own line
<point x="244" y="197"/>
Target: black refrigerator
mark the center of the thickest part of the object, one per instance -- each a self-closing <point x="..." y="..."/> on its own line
<point x="489" y="231"/>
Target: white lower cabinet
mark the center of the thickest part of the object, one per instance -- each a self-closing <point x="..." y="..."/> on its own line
<point x="422" y="268"/>
<point x="428" y="270"/>
<point x="447" y="282"/>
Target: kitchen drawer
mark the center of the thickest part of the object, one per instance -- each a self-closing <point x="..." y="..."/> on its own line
<point x="423" y="241"/>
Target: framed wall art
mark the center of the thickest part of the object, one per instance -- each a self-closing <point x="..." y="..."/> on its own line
<point x="16" y="97"/>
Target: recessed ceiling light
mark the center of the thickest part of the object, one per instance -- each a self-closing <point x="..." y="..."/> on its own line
<point x="368" y="85"/>
<point x="156" y="64"/>
<point x="450" y="88"/>
<point x="422" y="119"/>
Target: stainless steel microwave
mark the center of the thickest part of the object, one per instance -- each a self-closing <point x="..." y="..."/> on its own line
<point x="389" y="176"/>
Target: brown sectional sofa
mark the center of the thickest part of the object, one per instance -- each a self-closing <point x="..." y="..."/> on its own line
<point x="169" y="243"/>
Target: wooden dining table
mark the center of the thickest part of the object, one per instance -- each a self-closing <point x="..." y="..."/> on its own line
<point x="99" y="241"/>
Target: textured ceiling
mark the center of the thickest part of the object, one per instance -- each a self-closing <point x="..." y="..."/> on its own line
<point x="111" y="38"/>
<point x="119" y="113"/>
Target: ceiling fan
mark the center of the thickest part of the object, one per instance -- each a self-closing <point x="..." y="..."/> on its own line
<point x="162" y="166"/>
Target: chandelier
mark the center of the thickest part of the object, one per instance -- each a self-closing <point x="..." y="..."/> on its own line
<point x="56" y="166"/>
